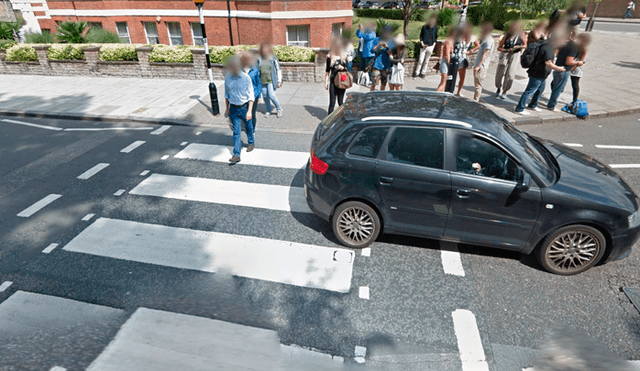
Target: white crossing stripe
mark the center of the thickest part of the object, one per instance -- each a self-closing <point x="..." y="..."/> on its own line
<point x="259" y="157"/>
<point x="132" y="146"/>
<point x="160" y="130"/>
<point x="606" y="146"/>
<point x="252" y="257"/>
<point x="120" y="192"/>
<point x="88" y="217"/>
<point x="38" y="205"/>
<point x="32" y="125"/>
<point x="226" y="192"/>
<point x="469" y="342"/>
<point x="5" y="285"/>
<point x="624" y="166"/>
<point x="451" y="261"/>
<point x="93" y="171"/>
<point x="50" y="248"/>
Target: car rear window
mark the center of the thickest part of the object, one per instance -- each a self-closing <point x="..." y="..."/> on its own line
<point x="417" y="146"/>
<point x="368" y="142"/>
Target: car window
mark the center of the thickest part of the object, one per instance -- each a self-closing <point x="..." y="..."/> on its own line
<point x="368" y="142"/>
<point x="478" y="157"/>
<point x="417" y="146"/>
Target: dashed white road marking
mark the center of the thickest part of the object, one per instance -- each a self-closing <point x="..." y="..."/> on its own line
<point x="109" y="129"/>
<point x="5" y="285"/>
<point x="93" y="171"/>
<point x="360" y="353"/>
<point x="50" y="248"/>
<point x="259" y="157"/>
<point x="88" y="217"/>
<point x="132" y="146"/>
<point x="164" y="157"/>
<point x="469" y="342"/>
<point x="198" y="133"/>
<point x="58" y="368"/>
<point x="624" y="166"/>
<point x="366" y="251"/>
<point x="47" y="127"/>
<point x="607" y="146"/>
<point x="184" y="144"/>
<point x="363" y="292"/>
<point x="451" y="261"/>
<point x="119" y="192"/>
<point x="245" y="256"/>
<point x="226" y="192"/>
<point x="144" y="173"/>
<point x="573" y="144"/>
<point x="38" y="205"/>
<point x="160" y="130"/>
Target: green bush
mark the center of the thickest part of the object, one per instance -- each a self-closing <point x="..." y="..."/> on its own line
<point x="6" y="44"/>
<point x="496" y="12"/>
<point x="65" y="52"/>
<point x="7" y="29"/>
<point x="286" y="53"/>
<point x="381" y="23"/>
<point x="378" y="13"/>
<point x="21" y="53"/>
<point x="527" y="24"/>
<point x="476" y="14"/>
<point x="72" y="32"/>
<point x="39" y="38"/>
<point x="171" y="54"/>
<point x="101" y="36"/>
<point x="445" y="17"/>
<point x="118" y="52"/>
<point x="220" y="54"/>
<point x="413" y="48"/>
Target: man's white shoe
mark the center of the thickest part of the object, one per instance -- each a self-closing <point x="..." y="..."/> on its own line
<point x="524" y="113"/>
<point x="537" y="109"/>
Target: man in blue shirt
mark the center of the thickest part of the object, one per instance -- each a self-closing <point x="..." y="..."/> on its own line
<point x="239" y="97"/>
<point x="382" y="62"/>
<point x="368" y="40"/>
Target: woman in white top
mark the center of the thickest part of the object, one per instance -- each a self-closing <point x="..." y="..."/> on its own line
<point x="462" y="51"/>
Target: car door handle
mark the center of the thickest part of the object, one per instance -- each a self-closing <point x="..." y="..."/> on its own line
<point x="386" y="180"/>
<point x="464" y="193"/>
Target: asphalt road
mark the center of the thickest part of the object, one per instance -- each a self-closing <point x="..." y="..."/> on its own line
<point x="408" y="321"/>
<point x="615" y="26"/>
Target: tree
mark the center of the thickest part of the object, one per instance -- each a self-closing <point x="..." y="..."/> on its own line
<point x="538" y="6"/>
<point x="8" y="30"/>
<point x="72" y="32"/>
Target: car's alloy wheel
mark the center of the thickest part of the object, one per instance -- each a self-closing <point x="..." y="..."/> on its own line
<point x="572" y="249"/>
<point x="356" y="224"/>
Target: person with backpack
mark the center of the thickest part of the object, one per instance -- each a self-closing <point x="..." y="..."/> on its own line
<point x="567" y="58"/>
<point x="630" y="9"/>
<point x="270" y="78"/>
<point x="510" y="47"/>
<point x="428" y="39"/>
<point x="538" y="58"/>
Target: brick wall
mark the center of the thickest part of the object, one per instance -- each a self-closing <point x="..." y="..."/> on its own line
<point x="612" y="8"/>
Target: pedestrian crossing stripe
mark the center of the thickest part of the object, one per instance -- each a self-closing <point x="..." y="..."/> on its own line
<point x="244" y="256"/>
<point x="258" y="157"/>
<point x="226" y="192"/>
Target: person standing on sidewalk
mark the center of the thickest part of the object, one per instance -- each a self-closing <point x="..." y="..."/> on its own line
<point x="249" y="67"/>
<point x="428" y="39"/>
<point x="482" y="59"/>
<point x="447" y="52"/>
<point x="382" y="62"/>
<point x="368" y="40"/>
<point x="397" y="56"/>
<point x="583" y="40"/>
<point x="336" y="62"/>
<point x="461" y="51"/>
<point x="567" y="59"/>
<point x="349" y="51"/>
<point x="270" y="78"/>
<point x="510" y="48"/>
<point x="239" y="97"/>
<point x="631" y="7"/>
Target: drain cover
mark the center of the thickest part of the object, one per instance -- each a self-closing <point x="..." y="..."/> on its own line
<point x="633" y="293"/>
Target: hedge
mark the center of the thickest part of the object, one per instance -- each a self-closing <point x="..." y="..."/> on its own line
<point x="118" y="52"/>
<point x="21" y="53"/>
<point x="59" y="52"/>
<point x="220" y="54"/>
<point x="171" y="54"/>
<point x="287" y="53"/>
<point x="6" y="44"/>
<point x="378" y="13"/>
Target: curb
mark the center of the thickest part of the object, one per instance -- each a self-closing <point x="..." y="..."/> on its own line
<point x="571" y="118"/>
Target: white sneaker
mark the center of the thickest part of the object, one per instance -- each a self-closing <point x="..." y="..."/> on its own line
<point x="537" y="109"/>
<point x="267" y="114"/>
<point x="279" y="114"/>
<point x="524" y="113"/>
<point x="502" y="96"/>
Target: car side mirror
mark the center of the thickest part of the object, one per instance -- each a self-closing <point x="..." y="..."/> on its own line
<point x="524" y="184"/>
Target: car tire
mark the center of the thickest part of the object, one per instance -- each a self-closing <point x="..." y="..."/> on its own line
<point x="571" y="250"/>
<point x="356" y="224"/>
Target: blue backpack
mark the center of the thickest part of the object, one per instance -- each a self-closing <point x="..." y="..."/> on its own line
<point x="579" y="109"/>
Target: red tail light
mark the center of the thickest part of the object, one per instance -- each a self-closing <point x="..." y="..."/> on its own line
<point x="317" y="165"/>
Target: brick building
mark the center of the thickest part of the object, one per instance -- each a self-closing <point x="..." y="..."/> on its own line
<point x="610" y="8"/>
<point x="293" y="22"/>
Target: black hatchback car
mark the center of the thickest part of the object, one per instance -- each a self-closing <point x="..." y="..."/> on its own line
<point x="443" y="167"/>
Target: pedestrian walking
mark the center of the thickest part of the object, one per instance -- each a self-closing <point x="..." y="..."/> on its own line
<point x="239" y="97"/>
<point x="349" y="50"/>
<point x="461" y="49"/>
<point x="510" y="48"/>
<point x="270" y="78"/>
<point x="567" y="59"/>
<point x="382" y="63"/>
<point x="250" y="67"/>
<point x="397" y="56"/>
<point x="368" y="40"/>
<point x="631" y="7"/>
<point x="482" y="59"/>
<point x="583" y="41"/>
<point x="336" y="62"/>
<point x="447" y="51"/>
<point x="428" y="39"/>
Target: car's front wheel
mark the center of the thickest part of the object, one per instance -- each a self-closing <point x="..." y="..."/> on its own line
<point x="356" y="224"/>
<point x="572" y="249"/>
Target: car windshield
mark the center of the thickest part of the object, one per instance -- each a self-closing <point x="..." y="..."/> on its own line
<point x="535" y="155"/>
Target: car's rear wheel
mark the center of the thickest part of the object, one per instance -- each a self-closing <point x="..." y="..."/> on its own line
<point x="572" y="249"/>
<point x="356" y="224"/>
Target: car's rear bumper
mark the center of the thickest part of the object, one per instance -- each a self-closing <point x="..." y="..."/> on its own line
<point x="622" y="244"/>
<point x="317" y="199"/>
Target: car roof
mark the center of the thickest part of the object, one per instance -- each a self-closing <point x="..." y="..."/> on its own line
<point x="421" y="108"/>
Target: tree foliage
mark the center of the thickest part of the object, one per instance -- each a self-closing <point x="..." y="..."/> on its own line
<point x="8" y="29"/>
<point x="72" y="32"/>
<point x="539" y="6"/>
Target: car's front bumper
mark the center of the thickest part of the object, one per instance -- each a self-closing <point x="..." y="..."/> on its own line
<point x="623" y="243"/>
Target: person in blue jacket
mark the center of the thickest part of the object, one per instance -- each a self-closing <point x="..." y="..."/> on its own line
<point x="368" y="40"/>
<point x="382" y="62"/>
<point x="250" y="67"/>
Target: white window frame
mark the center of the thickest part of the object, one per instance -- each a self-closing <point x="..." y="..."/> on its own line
<point x="298" y="42"/>
<point x="199" y="40"/>
<point x="123" y="38"/>
<point x="172" y="36"/>
<point x="146" y="33"/>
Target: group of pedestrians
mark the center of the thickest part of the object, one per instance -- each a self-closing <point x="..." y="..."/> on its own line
<point x="382" y="58"/>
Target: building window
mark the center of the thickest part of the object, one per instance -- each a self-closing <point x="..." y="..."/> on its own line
<point x="196" y="32"/>
<point x="151" y="30"/>
<point x="95" y="24"/>
<point x="298" y="35"/>
<point x="175" y="33"/>
<point x="336" y="29"/>
<point x="123" y="32"/>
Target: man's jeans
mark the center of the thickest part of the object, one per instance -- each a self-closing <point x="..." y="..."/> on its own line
<point x="534" y="89"/>
<point x="238" y="115"/>
<point x="423" y="61"/>
<point x="627" y="14"/>
<point x="557" y="87"/>
<point x="269" y="95"/>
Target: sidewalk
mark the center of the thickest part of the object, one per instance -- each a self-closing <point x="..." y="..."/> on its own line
<point x="610" y="87"/>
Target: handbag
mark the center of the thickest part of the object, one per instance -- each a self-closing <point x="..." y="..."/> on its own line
<point x="397" y="74"/>
<point x="363" y="78"/>
<point x="343" y="80"/>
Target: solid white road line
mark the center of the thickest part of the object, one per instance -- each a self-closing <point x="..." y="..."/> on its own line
<point x="164" y="157"/>
<point x="573" y="144"/>
<point x="93" y="171"/>
<point x="252" y="257"/>
<point x="226" y="192"/>
<point x="469" y="342"/>
<point x="132" y="146"/>
<point x="363" y="292"/>
<point x="606" y="146"/>
<point x="50" y="248"/>
<point x="88" y="217"/>
<point x="5" y="285"/>
<point x="38" y="205"/>
<point x="32" y="125"/>
<point x="144" y="173"/>
<point x="624" y="166"/>
<point x="260" y="157"/>
<point x="451" y="261"/>
<point x="119" y="192"/>
<point x="160" y="130"/>
<point x="109" y="129"/>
